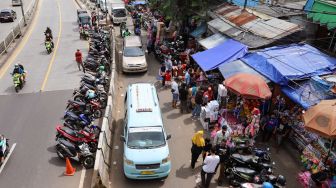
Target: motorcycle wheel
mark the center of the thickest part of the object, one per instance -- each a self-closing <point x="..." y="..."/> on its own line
<point x="98" y="113"/>
<point x="93" y="147"/>
<point x="17" y="89"/>
<point x="59" y="153"/>
<point x="88" y="162"/>
<point x="103" y="103"/>
<point x="266" y="157"/>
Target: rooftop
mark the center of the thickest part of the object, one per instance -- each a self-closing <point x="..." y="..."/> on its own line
<point x="251" y="28"/>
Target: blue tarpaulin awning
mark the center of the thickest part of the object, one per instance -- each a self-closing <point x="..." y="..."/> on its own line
<point x="228" y="51"/>
<point x="200" y="30"/>
<point x="234" y="67"/>
<point x="294" y="62"/>
<point x="308" y="93"/>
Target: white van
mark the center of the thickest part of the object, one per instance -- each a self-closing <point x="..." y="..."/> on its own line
<point x="134" y="56"/>
<point x="118" y="12"/>
<point x="146" y="152"/>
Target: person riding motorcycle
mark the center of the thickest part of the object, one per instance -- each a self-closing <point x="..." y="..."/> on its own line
<point x="19" y="69"/>
<point x="126" y="33"/>
<point x="49" y="36"/>
<point x="3" y="148"/>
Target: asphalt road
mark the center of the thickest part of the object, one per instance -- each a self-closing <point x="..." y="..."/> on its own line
<point x="6" y="27"/>
<point x="29" y="118"/>
<point x="182" y="128"/>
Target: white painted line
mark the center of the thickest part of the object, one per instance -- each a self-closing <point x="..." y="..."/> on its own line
<point x="81" y="180"/>
<point x="9" y="154"/>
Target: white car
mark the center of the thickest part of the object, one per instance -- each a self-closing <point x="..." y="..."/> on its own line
<point x="134" y="57"/>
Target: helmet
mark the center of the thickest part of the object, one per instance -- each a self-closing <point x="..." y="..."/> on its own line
<point x="16" y="65"/>
<point x="281" y="180"/>
<point x="224" y="127"/>
<point x="101" y="68"/>
<point x="267" y="185"/>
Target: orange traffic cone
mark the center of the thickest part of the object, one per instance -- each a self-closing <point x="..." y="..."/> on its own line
<point x="69" y="170"/>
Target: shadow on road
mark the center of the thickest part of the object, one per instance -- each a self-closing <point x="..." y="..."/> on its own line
<point x="51" y="149"/>
<point x="185" y="172"/>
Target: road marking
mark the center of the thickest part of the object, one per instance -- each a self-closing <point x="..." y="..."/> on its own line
<point x="56" y="47"/>
<point x="18" y="50"/>
<point x="8" y="156"/>
<point x="81" y="180"/>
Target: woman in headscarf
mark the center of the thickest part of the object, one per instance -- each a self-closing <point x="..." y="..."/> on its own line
<point x="197" y="147"/>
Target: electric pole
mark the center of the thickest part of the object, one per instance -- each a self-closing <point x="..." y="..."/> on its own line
<point x="24" y="18"/>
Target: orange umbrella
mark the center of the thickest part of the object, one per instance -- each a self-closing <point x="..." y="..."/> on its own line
<point x="321" y="119"/>
<point x="248" y="85"/>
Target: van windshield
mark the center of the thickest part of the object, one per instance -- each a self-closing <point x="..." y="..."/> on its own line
<point x="119" y="12"/>
<point x="133" y="52"/>
<point x="145" y="137"/>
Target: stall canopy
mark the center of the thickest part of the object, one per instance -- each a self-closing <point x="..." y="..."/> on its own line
<point x="294" y="62"/>
<point x="310" y="92"/>
<point x="234" y="67"/>
<point x="228" y="51"/>
<point x="319" y="13"/>
<point x="212" y="41"/>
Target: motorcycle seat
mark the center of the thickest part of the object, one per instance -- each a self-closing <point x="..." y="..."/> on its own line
<point x="244" y="158"/>
<point x="77" y="102"/>
<point x="69" y="131"/>
<point x="68" y="144"/>
<point x="246" y="171"/>
<point x="72" y="115"/>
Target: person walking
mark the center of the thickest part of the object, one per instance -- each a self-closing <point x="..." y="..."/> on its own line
<point x="209" y="167"/>
<point x="198" y="104"/>
<point x="79" y="61"/>
<point x="183" y="96"/>
<point x="197" y="147"/>
<point x="162" y="74"/>
<point x="175" y="92"/>
<point x="269" y="128"/>
<point x="223" y="134"/>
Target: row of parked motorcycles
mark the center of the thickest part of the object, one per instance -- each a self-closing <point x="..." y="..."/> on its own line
<point x="161" y="51"/>
<point x="251" y="166"/>
<point x="77" y="138"/>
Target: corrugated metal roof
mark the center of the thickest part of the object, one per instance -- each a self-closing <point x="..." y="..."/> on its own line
<point x="213" y="41"/>
<point x="251" y="29"/>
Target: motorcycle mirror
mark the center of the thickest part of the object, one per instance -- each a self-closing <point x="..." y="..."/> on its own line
<point x="122" y="138"/>
<point x="273" y="163"/>
<point x="268" y="149"/>
<point x="168" y="137"/>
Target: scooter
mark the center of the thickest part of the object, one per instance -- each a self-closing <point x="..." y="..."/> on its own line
<point x="48" y="46"/>
<point x="81" y="119"/>
<point x="4" y="146"/>
<point x="249" y="161"/>
<point x="18" y="81"/>
<point x="80" y="153"/>
<point x="80" y="136"/>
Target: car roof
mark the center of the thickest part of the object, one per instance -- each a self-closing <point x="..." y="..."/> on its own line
<point x="82" y="11"/>
<point x="83" y="15"/>
<point x="132" y="41"/>
<point x="139" y="100"/>
<point x="6" y="10"/>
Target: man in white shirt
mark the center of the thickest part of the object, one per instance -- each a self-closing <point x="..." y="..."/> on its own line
<point x="175" y="92"/>
<point x="209" y="167"/>
<point x="222" y="134"/>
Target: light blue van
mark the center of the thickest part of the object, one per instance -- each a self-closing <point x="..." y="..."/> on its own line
<point x="146" y="152"/>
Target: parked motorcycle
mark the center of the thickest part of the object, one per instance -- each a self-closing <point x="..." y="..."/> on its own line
<point x="80" y="153"/>
<point x="79" y="136"/>
<point x="249" y="161"/>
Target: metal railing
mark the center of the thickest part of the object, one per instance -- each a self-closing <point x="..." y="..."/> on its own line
<point x="17" y="30"/>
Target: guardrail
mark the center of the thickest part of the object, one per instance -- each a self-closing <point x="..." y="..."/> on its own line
<point x="17" y="30"/>
<point x="101" y="168"/>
